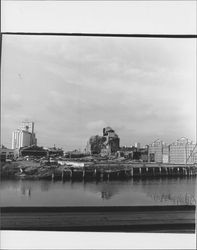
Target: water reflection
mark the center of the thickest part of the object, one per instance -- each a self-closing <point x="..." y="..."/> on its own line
<point x="45" y="186"/>
<point x="180" y="199"/>
<point x="26" y="189"/>
<point x="173" y="191"/>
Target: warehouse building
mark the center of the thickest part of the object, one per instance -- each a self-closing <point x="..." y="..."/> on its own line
<point x="24" y="136"/>
<point x="155" y="151"/>
<point x="183" y="151"/>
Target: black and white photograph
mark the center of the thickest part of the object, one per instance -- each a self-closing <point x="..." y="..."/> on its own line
<point x="98" y="132"/>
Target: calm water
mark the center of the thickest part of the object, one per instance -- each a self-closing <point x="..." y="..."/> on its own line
<point x="113" y="193"/>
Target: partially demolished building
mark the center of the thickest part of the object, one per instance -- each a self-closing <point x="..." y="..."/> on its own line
<point x="107" y="144"/>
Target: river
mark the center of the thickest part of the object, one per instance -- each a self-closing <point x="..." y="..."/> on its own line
<point x="133" y="192"/>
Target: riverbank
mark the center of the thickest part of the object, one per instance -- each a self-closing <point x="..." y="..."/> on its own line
<point x="103" y="170"/>
<point x="169" y="219"/>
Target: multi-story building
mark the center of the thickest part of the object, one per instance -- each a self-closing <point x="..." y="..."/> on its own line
<point x="107" y="144"/>
<point x="24" y="136"/>
<point x="183" y="151"/>
<point x="112" y="141"/>
<point x="6" y="153"/>
<point x="155" y="151"/>
<point x="137" y="145"/>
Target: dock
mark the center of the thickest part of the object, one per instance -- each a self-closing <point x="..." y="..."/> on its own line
<point x="116" y="171"/>
<point x="98" y="171"/>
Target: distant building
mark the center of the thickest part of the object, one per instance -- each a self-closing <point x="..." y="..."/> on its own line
<point x="74" y="154"/>
<point x="137" y="145"/>
<point x="155" y="151"/>
<point x="55" y="151"/>
<point x="183" y="151"/>
<point x="24" y="136"/>
<point x="107" y="144"/>
<point x="133" y="153"/>
<point x="126" y="152"/>
<point x="143" y="154"/>
<point x="112" y="141"/>
<point x="34" y="151"/>
<point x="6" y="153"/>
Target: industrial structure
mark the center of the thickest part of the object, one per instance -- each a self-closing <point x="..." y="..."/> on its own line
<point x="107" y="144"/>
<point x="54" y="152"/>
<point x="155" y="151"/>
<point x="33" y="151"/>
<point x="24" y="136"/>
<point x="6" y="153"/>
<point x="182" y="151"/>
<point x="112" y="141"/>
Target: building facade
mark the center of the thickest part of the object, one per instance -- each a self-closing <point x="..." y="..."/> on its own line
<point x="6" y="153"/>
<point x="112" y="141"/>
<point x="107" y="144"/>
<point x="155" y="151"/>
<point x="183" y="151"/>
<point x="54" y="151"/>
<point x="24" y="136"/>
<point x="137" y="145"/>
<point x="33" y="151"/>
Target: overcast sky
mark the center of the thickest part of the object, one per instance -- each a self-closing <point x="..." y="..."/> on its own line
<point x="72" y="87"/>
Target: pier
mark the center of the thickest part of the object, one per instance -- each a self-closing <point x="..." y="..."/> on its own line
<point x="100" y="171"/>
<point x="115" y="171"/>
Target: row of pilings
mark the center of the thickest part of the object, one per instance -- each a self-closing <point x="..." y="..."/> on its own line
<point x="122" y="173"/>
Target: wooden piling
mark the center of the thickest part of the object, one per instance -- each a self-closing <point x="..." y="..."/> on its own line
<point x="187" y="171"/>
<point x="71" y="174"/>
<point x="140" y="171"/>
<point x="83" y="173"/>
<point x="52" y="176"/>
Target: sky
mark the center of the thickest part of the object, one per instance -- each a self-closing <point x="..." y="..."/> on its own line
<point x="72" y="87"/>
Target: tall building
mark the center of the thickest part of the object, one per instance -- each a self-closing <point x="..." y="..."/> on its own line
<point x="137" y="145"/>
<point x="24" y="136"/>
